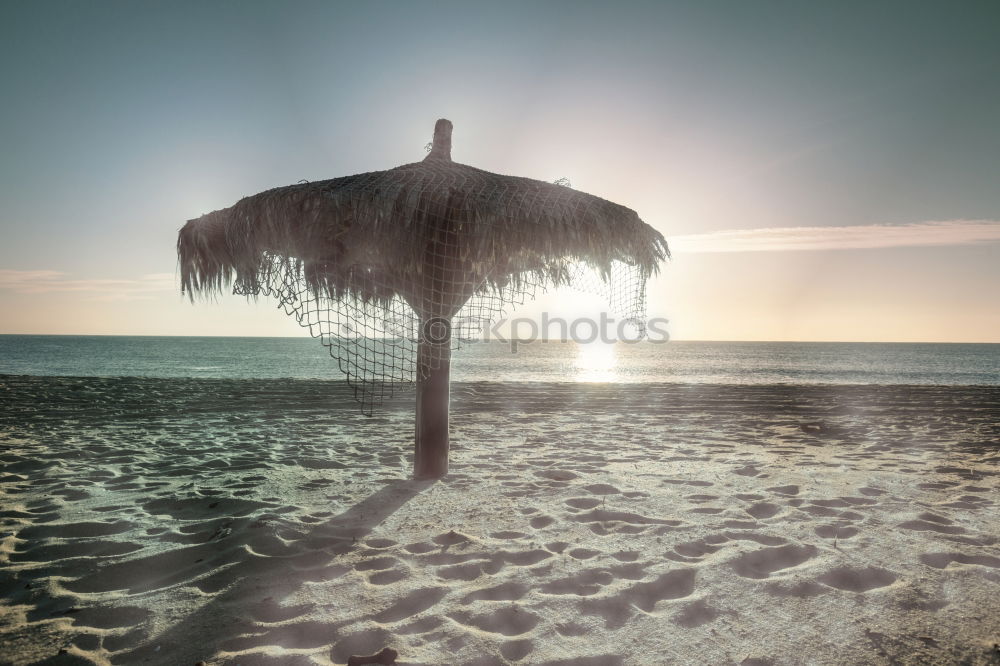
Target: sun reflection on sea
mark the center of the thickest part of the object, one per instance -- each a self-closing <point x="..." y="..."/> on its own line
<point x="596" y="362"/>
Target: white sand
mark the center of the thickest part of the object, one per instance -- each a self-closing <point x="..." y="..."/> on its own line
<point x="172" y="521"/>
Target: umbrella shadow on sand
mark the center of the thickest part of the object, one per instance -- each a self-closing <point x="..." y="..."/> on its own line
<point x="254" y="567"/>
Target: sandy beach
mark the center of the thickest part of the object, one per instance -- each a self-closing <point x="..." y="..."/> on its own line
<point x="171" y="521"/>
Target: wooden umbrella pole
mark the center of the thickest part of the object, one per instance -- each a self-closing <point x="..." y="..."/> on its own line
<point x="430" y="459"/>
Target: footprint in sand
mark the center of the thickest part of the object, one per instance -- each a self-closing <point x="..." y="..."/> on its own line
<point x="538" y="522"/>
<point x="836" y="531"/>
<point x="763" y="510"/>
<point x="601" y="489"/>
<point x="857" y="580"/>
<point x="510" y="621"/>
<point x="503" y="592"/>
<point x="517" y="650"/>
<point x="762" y="563"/>
<point x="380" y="543"/>
<point x="420" y="547"/>
<point x="557" y="546"/>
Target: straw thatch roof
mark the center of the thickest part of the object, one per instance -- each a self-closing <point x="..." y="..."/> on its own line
<point x="370" y="235"/>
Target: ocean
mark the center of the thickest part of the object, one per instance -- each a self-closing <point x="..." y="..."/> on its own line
<point x="645" y="362"/>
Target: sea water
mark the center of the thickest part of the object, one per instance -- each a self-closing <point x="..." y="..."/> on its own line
<point x="694" y="362"/>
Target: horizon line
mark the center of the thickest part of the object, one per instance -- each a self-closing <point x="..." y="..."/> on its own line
<point x="517" y="340"/>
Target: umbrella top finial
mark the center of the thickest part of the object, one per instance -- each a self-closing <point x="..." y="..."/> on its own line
<point x="441" y="148"/>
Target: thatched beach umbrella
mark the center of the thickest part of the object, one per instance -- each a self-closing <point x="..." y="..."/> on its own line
<point x="410" y="246"/>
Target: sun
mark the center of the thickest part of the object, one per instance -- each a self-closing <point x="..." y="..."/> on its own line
<point x="596" y="362"/>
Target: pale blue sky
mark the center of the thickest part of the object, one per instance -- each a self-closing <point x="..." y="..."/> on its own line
<point x="122" y="120"/>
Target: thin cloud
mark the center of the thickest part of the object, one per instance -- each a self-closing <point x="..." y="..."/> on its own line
<point x="862" y="237"/>
<point x="775" y="239"/>
<point x="46" y="281"/>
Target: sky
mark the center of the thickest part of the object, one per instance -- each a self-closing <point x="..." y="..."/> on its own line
<point x="823" y="171"/>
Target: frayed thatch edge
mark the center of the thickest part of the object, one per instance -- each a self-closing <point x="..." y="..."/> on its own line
<point x="367" y="236"/>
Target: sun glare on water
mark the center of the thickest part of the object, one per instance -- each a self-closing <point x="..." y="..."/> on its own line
<point x="596" y="362"/>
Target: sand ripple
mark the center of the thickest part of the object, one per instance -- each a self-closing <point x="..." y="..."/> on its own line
<point x="251" y="522"/>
